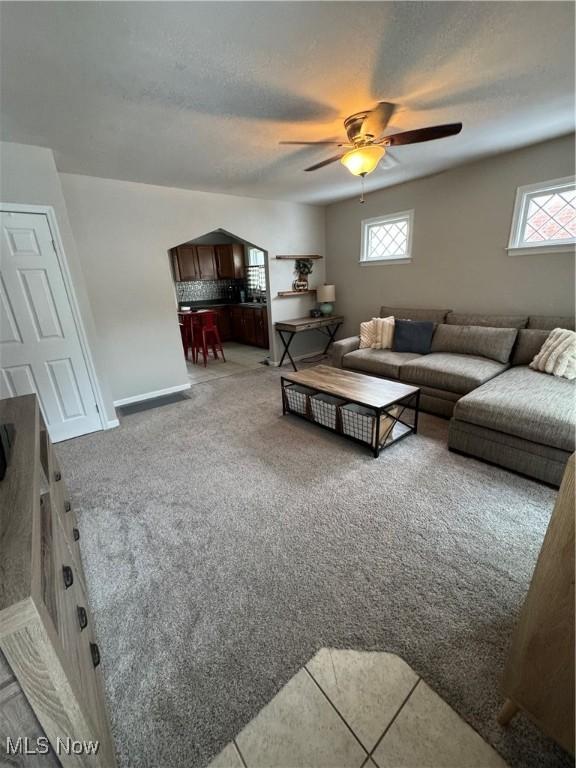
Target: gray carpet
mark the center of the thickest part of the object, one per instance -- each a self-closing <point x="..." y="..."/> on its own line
<point x="225" y="544"/>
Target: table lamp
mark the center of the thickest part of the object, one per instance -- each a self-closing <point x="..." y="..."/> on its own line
<point x="326" y="295"/>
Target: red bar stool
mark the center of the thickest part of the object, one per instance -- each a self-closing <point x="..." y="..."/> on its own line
<point x="205" y="334"/>
<point x="185" y="332"/>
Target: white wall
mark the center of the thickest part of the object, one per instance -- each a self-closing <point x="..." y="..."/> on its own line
<point x="29" y="176"/>
<point x="124" y="230"/>
<point x="461" y="228"/>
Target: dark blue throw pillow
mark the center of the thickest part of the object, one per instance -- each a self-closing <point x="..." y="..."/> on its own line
<point x="412" y="336"/>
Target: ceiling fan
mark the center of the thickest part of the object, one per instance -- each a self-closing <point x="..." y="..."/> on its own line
<point x="366" y="145"/>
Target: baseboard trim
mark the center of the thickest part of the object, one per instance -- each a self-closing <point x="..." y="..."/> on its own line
<point x="112" y="423"/>
<point x="150" y="395"/>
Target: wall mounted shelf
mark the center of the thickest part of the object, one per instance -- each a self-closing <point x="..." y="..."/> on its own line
<point x="287" y="294"/>
<point x="293" y="258"/>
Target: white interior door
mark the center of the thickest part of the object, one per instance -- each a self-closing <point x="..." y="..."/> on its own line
<point x="40" y="350"/>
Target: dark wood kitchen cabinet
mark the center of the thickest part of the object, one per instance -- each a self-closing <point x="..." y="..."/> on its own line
<point x="250" y="325"/>
<point x="206" y="262"/>
<point x="261" y="328"/>
<point x="230" y="261"/>
<point x="223" y="322"/>
<point x="185" y="263"/>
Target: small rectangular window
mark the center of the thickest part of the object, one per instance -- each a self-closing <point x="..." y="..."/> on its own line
<point x="387" y="238"/>
<point x="544" y="217"/>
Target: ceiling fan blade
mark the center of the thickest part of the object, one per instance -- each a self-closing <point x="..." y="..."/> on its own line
<point x="421" y="134"/>
<point x="378" y="118"/>
<point x="306" y="143"/>
<point x="325" y="162"/>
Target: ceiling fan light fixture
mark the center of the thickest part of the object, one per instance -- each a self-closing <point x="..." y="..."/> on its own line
<point x="363" y="160"/>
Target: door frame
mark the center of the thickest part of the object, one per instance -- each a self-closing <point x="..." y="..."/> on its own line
<point x="49" y="213"/>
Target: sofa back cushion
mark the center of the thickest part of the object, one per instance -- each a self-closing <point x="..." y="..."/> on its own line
<point x="493" y="343"/>
<point x="406" y="313"/>
<point x="528" y="343"/>
<point x="413" y="336"/>
<point x="492" y="321"/>
<point x="549" y="322"/>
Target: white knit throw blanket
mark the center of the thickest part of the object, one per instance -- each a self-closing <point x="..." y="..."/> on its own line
<point x="558" y="354"/>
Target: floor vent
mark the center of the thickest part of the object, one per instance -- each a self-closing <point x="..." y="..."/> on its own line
<point x="155" y="402"/>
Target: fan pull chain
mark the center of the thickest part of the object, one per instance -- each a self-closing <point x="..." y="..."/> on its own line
<point x="362" y="183"/>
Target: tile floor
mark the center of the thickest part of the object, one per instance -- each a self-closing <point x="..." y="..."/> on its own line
<point x="351" y="709"/>
<point x="239" y="358"/>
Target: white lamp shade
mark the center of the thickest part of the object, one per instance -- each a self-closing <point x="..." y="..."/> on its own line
<point x="326" y="294"/>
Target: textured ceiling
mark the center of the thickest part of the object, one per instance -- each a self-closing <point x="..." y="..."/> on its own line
<point x="197" y="95"/>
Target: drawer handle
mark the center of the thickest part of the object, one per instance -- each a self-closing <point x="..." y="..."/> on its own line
<point x="68" y="576"/>
<point x="76" y="534"/>
<point x="82" y="617"/>
<point x="57" y="476"/>
<point x="67" y="506"/>
<point x="95" y="651"/>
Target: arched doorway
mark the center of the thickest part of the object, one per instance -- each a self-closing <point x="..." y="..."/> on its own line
<point x="227" y="275"/>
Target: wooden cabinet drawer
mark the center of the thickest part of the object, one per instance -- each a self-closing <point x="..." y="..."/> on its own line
<point x="64" y="511"/>
<point x="17" y="719"/>
<point x="76" y="632"/>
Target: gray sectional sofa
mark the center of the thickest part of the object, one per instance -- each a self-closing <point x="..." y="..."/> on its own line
<point x="477" y="373"/>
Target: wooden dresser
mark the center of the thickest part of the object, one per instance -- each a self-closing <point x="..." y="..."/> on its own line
<point x="50" y="683"/>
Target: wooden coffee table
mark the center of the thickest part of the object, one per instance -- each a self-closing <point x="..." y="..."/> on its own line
<point x="390" y="407"/>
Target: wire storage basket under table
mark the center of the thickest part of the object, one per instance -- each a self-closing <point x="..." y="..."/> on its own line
<point x="359" y="422"/>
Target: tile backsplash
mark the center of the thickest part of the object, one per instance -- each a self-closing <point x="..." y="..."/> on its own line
<point x="206" y="290"/>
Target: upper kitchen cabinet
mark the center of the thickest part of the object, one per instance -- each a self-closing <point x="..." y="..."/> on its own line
<point x="206" y="262"/>
<point x="185" y="262"/>
<point x="230" y="261"/>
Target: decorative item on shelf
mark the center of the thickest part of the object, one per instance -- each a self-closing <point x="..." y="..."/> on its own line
<point x="315" y="313"/>
<point x="326" y="295"/>
<point x="303" y="268"/>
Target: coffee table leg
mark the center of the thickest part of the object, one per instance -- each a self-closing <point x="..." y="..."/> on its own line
<point x="416" y="411"/>
<point x="377" y="435"/>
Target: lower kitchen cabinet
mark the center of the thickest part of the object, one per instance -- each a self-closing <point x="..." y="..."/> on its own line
<point x="249" y="325"/>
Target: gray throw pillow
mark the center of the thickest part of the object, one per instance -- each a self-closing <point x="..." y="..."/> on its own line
<point x="528" y="344"/>
<point x="412" y="336"/>
<point x="493" y="343"/>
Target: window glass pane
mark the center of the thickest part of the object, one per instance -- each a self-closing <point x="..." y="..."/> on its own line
<point x="387" y="239"/>
<point x="550" y="217"/>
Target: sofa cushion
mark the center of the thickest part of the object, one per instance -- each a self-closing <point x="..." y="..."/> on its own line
<point x="549" y="322"/>
<point x="405" y="313"/>
<point x="524" y="403"/>
<point x="413" y="336"/>
<point x="528" y="343"/>
<point x="382" y="362"/>
<point x="494" y="321"/>
<point x="494" y="343"/>
<point x="456" y="373"/>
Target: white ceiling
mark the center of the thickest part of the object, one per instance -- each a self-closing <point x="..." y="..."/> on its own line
<point x="197" y="95"/>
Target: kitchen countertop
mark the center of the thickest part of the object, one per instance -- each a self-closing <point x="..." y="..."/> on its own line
<point x="207" y="304"/>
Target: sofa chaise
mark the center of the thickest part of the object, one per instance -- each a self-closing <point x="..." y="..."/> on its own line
<point x="477" y="374"/>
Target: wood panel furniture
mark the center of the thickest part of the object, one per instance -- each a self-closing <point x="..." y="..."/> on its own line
<point x="230" y="261"/>
<point x="250" y="325"/>
<point x="539" y="673"/>
<point x="50" y="655"/>
<point x="208" y="262"/>
<point x="287" y="329"/>
<point x="382" y="400"/>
